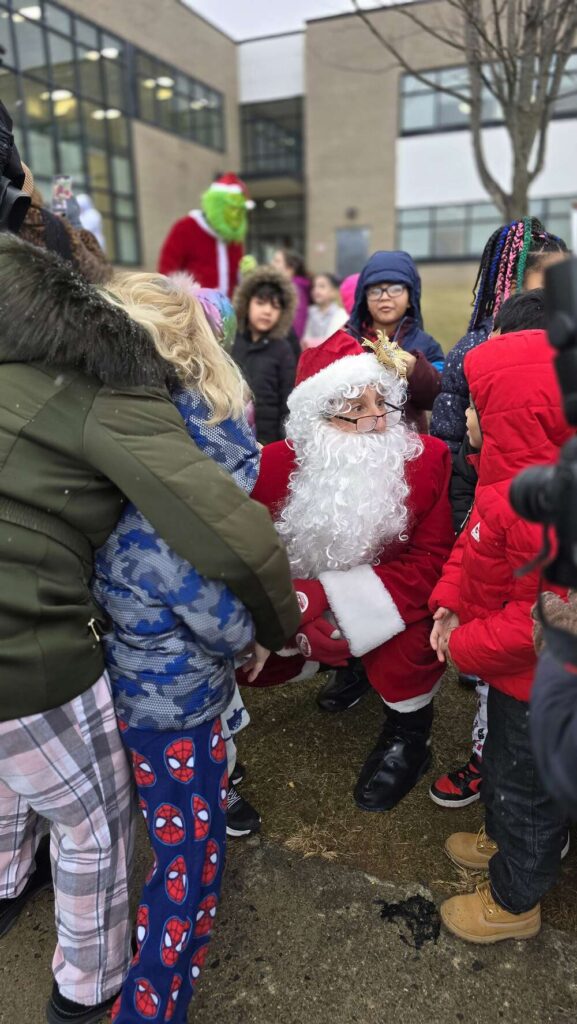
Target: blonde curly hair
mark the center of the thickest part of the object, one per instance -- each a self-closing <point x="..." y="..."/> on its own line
<point x="177" y="324"/>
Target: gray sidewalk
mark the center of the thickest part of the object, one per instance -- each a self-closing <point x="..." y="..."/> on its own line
<point x="304" y="940"/>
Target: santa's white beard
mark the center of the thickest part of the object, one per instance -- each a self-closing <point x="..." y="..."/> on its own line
<point x="347" y="497"/>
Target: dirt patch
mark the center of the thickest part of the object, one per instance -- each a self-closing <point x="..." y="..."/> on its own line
<point x="302" y="764"/>
<point x="418" y="919"/>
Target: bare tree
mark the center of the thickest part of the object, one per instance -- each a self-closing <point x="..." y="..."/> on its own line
<point x="514" y="51"/>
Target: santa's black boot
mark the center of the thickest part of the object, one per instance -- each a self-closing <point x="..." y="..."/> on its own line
<point x="401" y="756"/>
<point x="344" y="687"/>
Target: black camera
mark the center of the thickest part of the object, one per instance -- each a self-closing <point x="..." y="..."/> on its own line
<point x="13" y="202"/>
<point x="548" y="494"/>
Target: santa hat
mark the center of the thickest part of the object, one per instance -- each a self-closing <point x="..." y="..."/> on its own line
<point x="339" y="361"/>
<point x="233" y="185"/>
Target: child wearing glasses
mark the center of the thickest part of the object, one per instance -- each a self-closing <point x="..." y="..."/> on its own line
<point x="388" y="298"/>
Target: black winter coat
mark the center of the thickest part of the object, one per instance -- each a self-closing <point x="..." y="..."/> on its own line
<point x="269" y="368"/>
<point x="448" y="416"/>
<point x="463" y="483"/>
<point x="553" y="724"/>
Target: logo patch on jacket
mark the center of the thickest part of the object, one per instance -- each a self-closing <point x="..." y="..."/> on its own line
<point x="476" y="532"/>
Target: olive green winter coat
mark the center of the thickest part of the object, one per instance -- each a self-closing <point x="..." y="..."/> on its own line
<point x="85" y="419"/>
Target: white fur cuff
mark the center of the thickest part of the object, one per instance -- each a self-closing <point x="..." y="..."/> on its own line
<point x="363" y="608"/>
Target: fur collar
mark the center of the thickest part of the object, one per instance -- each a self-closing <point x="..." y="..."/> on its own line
<point x="51" y="315"/>
<point x="246" y="290"/>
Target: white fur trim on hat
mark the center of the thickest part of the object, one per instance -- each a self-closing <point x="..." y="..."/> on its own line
<point x="219" y="186"/>
<point x="361" y="370"/>
<point x="362" y="606"/>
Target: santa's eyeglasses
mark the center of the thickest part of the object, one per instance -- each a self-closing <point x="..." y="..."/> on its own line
<point x="364" y="424"/>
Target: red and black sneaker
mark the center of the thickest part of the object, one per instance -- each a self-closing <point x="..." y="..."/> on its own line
<point x="458" y="788"/>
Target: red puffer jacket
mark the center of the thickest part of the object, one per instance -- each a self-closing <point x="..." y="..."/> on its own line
<point x="515" y="391"/>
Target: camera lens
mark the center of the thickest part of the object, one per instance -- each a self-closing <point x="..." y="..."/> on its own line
<point x="534" y="494"/>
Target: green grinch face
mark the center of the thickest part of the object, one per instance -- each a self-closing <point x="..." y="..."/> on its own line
<point x="226" y="214"/>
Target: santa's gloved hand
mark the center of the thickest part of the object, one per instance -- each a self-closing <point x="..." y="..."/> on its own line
<point x="321" y="640"/>
<point x="312" y="599"/>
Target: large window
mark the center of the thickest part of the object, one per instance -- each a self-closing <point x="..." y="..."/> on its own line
<point x="460" y="232"/>
<point x="72" y="89"/>
<point x="276" y="224"/>
<point x="64" y="82"/>
<point x="271" y="138"/>
<point x="174" y="101"/>
<point x="424" y="109"/>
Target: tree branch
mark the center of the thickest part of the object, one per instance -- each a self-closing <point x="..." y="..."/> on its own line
<point x="489" y="182"/>
<point x="446" y="40"/>
<point x="517" y="52"/>
<point x="395" y="52"/>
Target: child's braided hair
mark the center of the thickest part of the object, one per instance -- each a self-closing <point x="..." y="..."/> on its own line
<point x="511" y="251"/>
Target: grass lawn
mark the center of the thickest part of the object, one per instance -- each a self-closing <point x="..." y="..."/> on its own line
<point x="446" y="312"/>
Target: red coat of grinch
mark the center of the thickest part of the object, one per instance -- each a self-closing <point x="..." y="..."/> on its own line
<point x="381" y="609"/>
<point x="191" y="245"/>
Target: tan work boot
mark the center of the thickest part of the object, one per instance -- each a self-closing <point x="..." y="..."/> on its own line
<point x="470" y="850"/>
<point x="476" y="917"/>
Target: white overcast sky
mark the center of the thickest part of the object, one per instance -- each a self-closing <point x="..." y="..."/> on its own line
<point x="248" y="19"/>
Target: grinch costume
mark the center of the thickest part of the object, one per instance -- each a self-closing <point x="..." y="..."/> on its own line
<point x="208" y="243"/>
<point x="367" y="524"/>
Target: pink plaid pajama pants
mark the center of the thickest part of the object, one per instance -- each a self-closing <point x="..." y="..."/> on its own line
<point x="67" y="767"/>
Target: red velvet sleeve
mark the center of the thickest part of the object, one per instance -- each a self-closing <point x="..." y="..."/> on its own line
<point x="174" y="253"/>
<point x="277" y="462"/>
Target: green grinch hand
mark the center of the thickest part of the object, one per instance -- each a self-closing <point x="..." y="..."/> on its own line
<point x="247" y="264"/>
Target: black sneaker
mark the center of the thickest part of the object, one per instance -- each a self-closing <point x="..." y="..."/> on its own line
<point x="241" y="817"/>
<point x="40" y="879"/>
<point x="344" y="687"/>
<point x="237" y="774"/>
<point x="469" y="682"/>
<point x="60" y="1010"/>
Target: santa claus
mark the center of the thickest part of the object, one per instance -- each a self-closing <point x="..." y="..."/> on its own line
<point x="362" y="504"/>
<point x="208" y="243"/>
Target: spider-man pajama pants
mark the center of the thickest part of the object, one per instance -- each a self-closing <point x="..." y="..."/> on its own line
<point x="182" y="783"/>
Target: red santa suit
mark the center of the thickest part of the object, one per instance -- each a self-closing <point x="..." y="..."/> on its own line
<point x="381" y="608"/>
<point x="192" y="245"/>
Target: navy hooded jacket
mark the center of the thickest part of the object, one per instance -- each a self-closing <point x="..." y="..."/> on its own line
<point x="396" y="268"/>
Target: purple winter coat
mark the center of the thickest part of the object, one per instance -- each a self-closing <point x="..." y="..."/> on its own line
<point x="302" y="286"/>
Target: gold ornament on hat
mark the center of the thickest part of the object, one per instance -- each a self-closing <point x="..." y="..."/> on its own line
<point x="389" y="354"/>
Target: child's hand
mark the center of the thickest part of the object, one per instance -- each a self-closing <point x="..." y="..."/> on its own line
<point x="256" y="662"/>
<point x="445" y="621"/>
<point x="410" y="361"/>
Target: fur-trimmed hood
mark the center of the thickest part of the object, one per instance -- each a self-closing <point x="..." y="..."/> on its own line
<point x="246" y="290"/>
<point x="51" y="315"/>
